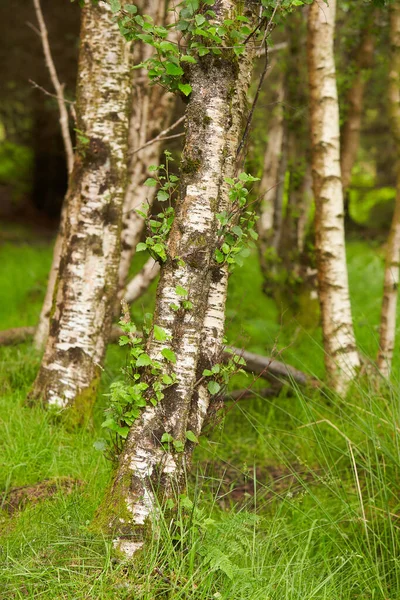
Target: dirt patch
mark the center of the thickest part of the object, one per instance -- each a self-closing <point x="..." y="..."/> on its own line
<point x="17" y="498"/>
<point x="237" y="486"/>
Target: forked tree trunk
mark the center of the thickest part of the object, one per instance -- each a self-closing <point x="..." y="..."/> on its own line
<point x="146" y="470"/>
<point x="391" y="282"/>
<point x="350" y="133"/>
<point x="341" y="357"/>
<point x="88" y="272"/>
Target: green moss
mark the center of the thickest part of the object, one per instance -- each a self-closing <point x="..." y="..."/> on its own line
<point x="80" y="412"/>
<point x="190" y="165"/>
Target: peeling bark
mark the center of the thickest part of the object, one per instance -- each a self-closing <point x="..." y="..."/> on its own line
<point x="391" y="281"/>
<point x="147" y="473"/>
<point x="84" y="291"/>
<point x="341" y="357"/>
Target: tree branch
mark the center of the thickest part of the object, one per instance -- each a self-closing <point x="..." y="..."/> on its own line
<point x="58" y="87"/>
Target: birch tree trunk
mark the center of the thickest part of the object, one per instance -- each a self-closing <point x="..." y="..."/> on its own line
<point x="87" y="278"/>
<point x="147" y="472"/>
<point x="341" y="358"/>
<point x="151" y="112"/>
<point x="270" y="182"/>
<point x="350" y="133"/>
<point x="391" y="281"/>
<point x="152" y="109"/>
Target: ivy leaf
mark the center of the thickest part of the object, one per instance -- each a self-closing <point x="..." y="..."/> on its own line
<point x="185" y="88"/>
<point x="159" y="334"/>
<point x="141" y="246"/>
<point x="192" y="437"/>
<point x="144" y="360"/>
<point x="169" y="355"/>
<point x="123" y="340"/>
<point x="150" y="182"/>
<point x="167" y="379"/>
<point x="213" y="387"/>
<point x="173" y="69"/>
<point x="166" y="438"/>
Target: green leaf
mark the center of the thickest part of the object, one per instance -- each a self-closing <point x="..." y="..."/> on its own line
<point x="115" y="5"/>
<point x="178" y="445"/>
<point x="185" y="88"/>
<point x="131" y="8"/>
<point x="150" y="182"/>
<point x="167" y="379"/>
<point x="162" y="195"/>
<point x="144" y="360"/>
<point x="123" y="340"/>
<point x="159" y="334"/>
<point x="213" y="387"/>
<point x="219" y="257"/>
<point x="192" y="437"/>
<point x="173" y="69"/>
<point x="181" y="290"/>
<point x="174" y="307"/>
<point x="200" y="19"/>
<point x="166" y="438"/>
<point x="169" y="355"/>
<point x="187" y="58"/>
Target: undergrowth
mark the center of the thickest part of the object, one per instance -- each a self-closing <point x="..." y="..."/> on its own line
<point x="294" y="497"/>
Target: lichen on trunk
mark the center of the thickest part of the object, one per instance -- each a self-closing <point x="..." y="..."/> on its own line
<point x="147" y="472"/>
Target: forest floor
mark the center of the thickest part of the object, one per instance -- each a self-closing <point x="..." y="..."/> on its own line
<point x="294" y="497"/>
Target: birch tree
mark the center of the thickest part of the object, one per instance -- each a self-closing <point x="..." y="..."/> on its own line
<point x="87" y="277"/>
<point x="391" y="281"/>
<point x="350" y="133"/>
<point x="341" y="357"/>
<point x="185" y="338"/>
<point x="152" y="110"/>
<point x="269" y="225"/>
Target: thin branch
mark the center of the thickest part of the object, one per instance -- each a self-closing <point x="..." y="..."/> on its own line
<point x="253" y="106"/>
<point x="46" y="92"/>
<point x="64" y="122"/>
<point x="160" y="137"/>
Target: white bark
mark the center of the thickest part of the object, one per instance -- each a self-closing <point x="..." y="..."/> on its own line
<point x="341" y="356"/>
<point x="139" y="284"/>
<point x="84" y="291"/>
<point x="270" y="184"/>
<point x="152" y="110"/>
<point x="391" y="282"/>
<point x="213" y="127"/>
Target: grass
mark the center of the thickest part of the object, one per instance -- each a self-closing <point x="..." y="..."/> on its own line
<point x="290" y="498"/>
